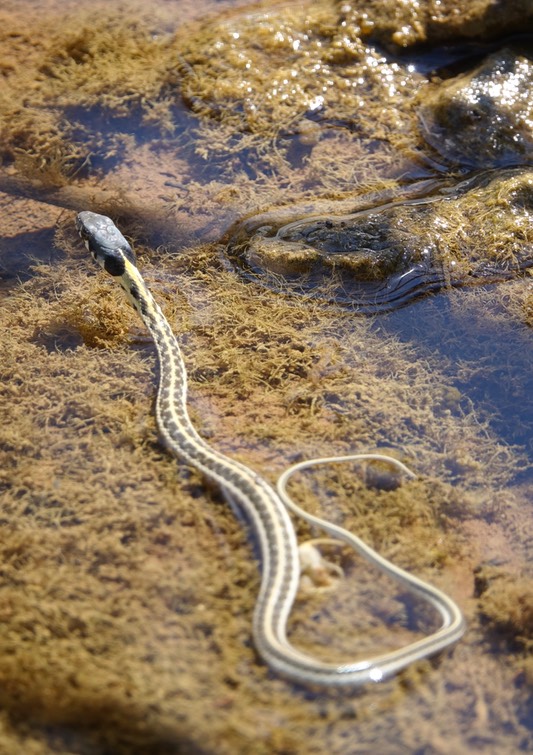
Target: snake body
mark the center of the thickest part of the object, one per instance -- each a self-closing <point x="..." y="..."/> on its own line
<point x="264" y="508"/>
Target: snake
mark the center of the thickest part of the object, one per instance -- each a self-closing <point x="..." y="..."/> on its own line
<point x="264" y="507"/>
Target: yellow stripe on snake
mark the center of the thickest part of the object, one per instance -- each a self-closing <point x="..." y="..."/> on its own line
<point x="265" y="508"/>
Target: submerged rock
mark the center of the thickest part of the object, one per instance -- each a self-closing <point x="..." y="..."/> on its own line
<point x="484" y="118"/>
<point x="383" y="256"/>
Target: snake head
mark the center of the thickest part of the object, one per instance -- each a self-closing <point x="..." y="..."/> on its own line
<point x="105" y="242"/>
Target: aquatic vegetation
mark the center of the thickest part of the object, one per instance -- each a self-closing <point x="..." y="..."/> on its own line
<point x="280" y="70"/>
<point x="110" y="581"/>
<point x="506" y="602"/>
<point x="67" y="108"/>
<point x="382" y="256"/>
<point x="297" y="86"/>
<point x="116" y="567"/>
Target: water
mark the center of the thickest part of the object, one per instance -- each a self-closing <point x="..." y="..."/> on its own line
<point x="127" y="588"/>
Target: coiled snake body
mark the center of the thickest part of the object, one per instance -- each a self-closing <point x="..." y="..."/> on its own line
<point x="264" y="507"/>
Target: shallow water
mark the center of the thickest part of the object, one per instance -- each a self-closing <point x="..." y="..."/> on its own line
<point x="127" y="588"/>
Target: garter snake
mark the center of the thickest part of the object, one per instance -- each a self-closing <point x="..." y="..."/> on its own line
<point x="265" y="508"/>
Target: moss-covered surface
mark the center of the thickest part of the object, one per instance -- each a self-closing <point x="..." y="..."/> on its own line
<point x="416" y="22"/>
<point x="126" y="586"/>
<point x="289" y="88"/>
<point x="507" y="602"/>
<point x="479" y="231"/>
<point x="274" y="72"/>
<point x="65" y="111"/>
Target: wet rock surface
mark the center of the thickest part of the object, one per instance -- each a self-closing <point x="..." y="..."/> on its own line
<point x="300" y="73"/>
<point x="337" y="116"/>
<point x="484" y="118"/>
<point x="414" y="22"/>
<point x="387" y="254"/>
<point x="383" y="257"/>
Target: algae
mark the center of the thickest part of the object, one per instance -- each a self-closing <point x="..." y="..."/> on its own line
<point x="127" y="587"/>
<point x="296" y="85"/>
<point x="73" y="107"/>
<point x="506" y="601"/>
